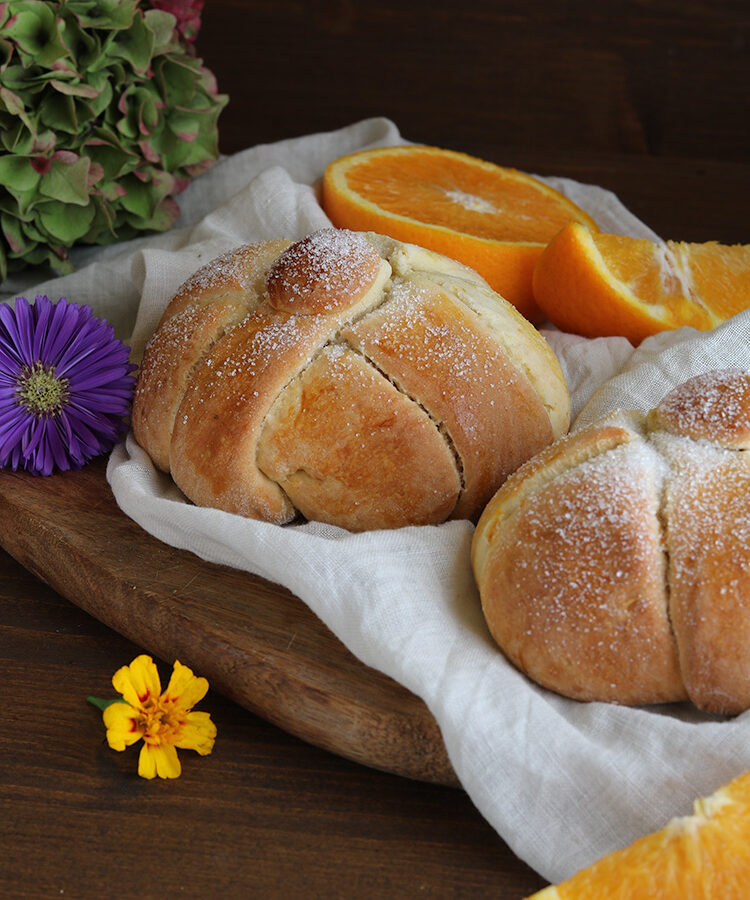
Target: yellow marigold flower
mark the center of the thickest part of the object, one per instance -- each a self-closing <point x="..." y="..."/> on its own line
<point x="165" y="721"/>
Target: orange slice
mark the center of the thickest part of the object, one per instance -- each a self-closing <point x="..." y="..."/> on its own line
<point x="495" y="220"/>
<point x="598" y="284"/>
<point x="706" y="856"/>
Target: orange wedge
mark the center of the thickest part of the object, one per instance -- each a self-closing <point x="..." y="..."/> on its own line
<point x="495" y="220"/>
<point x="598" y="284"/>
<point x="705" y="856"/>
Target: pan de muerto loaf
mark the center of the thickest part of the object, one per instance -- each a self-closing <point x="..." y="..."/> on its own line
<point x="348" y="378"/>
<point x="615" y="565"/>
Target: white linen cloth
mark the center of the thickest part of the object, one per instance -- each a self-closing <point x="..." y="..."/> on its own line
<point x="562" y="782"/>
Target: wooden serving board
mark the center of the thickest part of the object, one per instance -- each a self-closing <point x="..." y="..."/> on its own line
<point x="255" y="641"/>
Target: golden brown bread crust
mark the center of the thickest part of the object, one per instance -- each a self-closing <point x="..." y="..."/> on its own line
<point x="714" y="406"/>
<point x="336" y="480"/>
<point x="615" y="565"/>
<point x="707" y="508"/>
<point x="315" y="276"/>
<point x="209" y="303"/>
<point x="347" y="377"/>
<point x="434" y="348"/>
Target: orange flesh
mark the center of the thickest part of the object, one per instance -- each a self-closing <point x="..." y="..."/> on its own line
<point x="704" y="855"/>
<point x="604" y="284"/>
<point x="464" y="197"/>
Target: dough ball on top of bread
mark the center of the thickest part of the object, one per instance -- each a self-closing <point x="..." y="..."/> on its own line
<point x="347" y="378"/>
<point x="615" y="565"/>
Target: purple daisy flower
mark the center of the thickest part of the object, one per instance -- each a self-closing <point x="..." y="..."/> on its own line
<point x="66" y="386"/>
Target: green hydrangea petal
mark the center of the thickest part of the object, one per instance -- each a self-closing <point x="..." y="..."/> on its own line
<point x="185" y="125"/>
<point x="165" y="215"/>
<point x="6" y="48"/>
<point x="105" y="114"/>
<point x="13" y="234"/>
<point x="36" y="30"/>
<point x="114" y="159"/>
<point x="58" y="112"/>
<point x="17" y="173"/>
<point x="25" y="201"/>
<point x="75" y="89"/>
<point x="139" y="199"/>
<point x="134" y="44"/>
<point x="65" y="222"/>
<point x="67" y="181"/>
<point x="101" y="82"/>
<point x="162" y="26"/>
<point x="84" y="45"/>
<point x="13" y="105"/>
<point x="112" y="15"/>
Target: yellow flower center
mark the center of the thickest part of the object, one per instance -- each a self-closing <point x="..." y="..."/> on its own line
<point x="161" y="722"/>
<point x="40" y="391"/>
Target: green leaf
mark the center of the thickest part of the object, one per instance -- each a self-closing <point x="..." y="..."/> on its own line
<point x="103" y="704"/>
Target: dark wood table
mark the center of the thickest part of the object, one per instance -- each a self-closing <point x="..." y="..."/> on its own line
<point x="641" y="99"/>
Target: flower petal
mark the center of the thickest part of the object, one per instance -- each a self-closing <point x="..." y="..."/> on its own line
<point x="184" y="687"/>
<point x="62" y="327"/>
<point x="121" y="721"/>
<point x="138" y="682"/>
<point x="159" y="759"/>
<point x="198" y="733"/>
<point x="20" y="324"/>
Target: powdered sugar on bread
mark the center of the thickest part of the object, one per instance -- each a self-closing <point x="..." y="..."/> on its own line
<point x="616" y="564"/>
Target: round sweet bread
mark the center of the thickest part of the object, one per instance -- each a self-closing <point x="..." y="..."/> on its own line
<point x="615" y="565"/>
<point x="347" y="378"/>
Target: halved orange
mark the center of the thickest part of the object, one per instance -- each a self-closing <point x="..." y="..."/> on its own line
<point x="598" y="284"/>
<point x="705" y="856"/>
<point x="495" y="220"/>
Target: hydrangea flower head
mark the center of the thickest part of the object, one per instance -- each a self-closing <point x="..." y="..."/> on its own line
<point x="106" y="114"/>
<point x="66" y="386"/>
